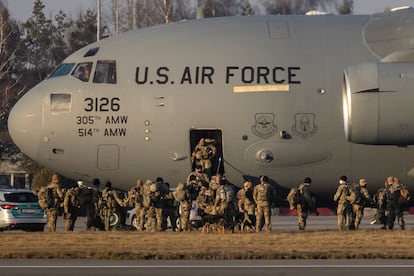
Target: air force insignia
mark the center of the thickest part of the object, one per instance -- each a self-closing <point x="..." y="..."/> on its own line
<point x="265" y="126"/>
<point x="305" y="125"/>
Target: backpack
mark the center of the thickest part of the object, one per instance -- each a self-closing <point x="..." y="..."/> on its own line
<point x="294" y="197"/>
<point x="355" y="195"/>
<point x="42" y="197"/>
<point x="84" y="196"/>
<point x="262" y="192"/>
<point x="405" y="196"/>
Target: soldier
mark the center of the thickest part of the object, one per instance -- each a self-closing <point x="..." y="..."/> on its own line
<point x="158" y="190"/>
<point x="246" y="206"/>
<point x="199" y="175"/>
<point x="182" y="195"/>
<point x="403" y="202"/>
<point x="263" y="195"/>
<point x="147" y="216"/>
<point x="50" y="198"/>
<point x="225" y="203"/>
<point x="170" y="210"/>
<point x="71" y="205"/>
<point x="108" y="204"/>
<point x="205" y="200"/>
<point x="379" y="201"/>
<point x="92" y="214"/>
<point x="135" y="199"/>
<point x="344" y="211"/>
<point x="359" y="198"/>
<point x="215" y="183"/>
<point x="392" y="193"/>
<point x="306" y="204"/>
<point x="203" y="153"/>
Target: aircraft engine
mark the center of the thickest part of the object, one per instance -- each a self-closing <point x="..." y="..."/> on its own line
<point x="378" y="103"/>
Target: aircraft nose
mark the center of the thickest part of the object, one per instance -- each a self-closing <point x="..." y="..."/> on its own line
<point x="25" y="123"/>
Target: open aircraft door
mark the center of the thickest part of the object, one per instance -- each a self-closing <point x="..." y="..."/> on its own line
<point x="207" y="150"/>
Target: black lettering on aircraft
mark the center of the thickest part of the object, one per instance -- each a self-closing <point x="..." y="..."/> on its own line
<point x="137" y="76"/>
<point x="115" y="132"/>
<point x="116" y="120"/>
<point x="162" y="74"/>
<point x="262" y="74"/>
<point x="102" y="104"/>
<point x="197" y="75"/>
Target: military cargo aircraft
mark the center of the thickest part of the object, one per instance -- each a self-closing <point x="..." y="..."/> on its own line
<point x="284" y="96"/>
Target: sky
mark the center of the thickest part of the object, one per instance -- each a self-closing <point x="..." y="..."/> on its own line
<point x="22" y="9"/>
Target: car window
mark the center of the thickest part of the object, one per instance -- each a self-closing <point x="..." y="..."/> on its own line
<point x="20" y="197"/>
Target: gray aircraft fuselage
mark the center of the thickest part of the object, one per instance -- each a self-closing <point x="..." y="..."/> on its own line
<point x="282" y="96"/>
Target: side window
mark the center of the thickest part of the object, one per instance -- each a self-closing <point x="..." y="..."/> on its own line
<point x="83" y="71"/>
<point x="105" y="72"/>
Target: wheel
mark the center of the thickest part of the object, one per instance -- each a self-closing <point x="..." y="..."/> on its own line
<point x="134" y="222"/>
<point x="115" y="219"/>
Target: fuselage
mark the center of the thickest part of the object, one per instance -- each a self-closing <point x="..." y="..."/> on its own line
<point x="267" y="89"/>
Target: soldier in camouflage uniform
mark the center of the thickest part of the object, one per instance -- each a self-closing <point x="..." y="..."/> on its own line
<point x="135" y="199"/>
<point x="199" y="175"/>
<point x="71" y="205"/>
<point x="92" y="207"/>
<point x="344" y="211"/>
<point x="399" y="211"/>
<point x="225" y="202"/>
<point x="108" y="204"/>
<point x="52" y="212"/>
<point x="146" y="206"/>
<point x="205" y="200"/>
<point x="170" y="210"/>
<point x="263" y="195"/>
<point x="182" y="195"/>
<point x="359" y="204"/>
<point x="246" y="206"/>
<point x="306" y="204"/>
<point x="392" y="194"/>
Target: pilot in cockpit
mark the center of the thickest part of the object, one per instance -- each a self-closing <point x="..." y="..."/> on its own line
<point x="84" y="73"/>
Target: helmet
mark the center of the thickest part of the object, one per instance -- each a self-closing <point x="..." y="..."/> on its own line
<point x="154" y="187"/>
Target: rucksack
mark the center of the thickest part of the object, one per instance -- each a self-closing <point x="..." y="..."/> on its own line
<point x="50" y="197"/>
<point x="84" y="196"/>
<point x="262" y="192"/>
<point x="405" y="196"/>
<point x="355" y="196"/>
<point x="294" y="197"/>
<point x="42" y="197"/>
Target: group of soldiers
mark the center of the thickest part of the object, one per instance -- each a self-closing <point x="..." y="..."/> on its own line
<point x="247" y="209"/>
<point x="154" y="203"/>
<point x="99" y="205"/>
<point x="390" y="202"/>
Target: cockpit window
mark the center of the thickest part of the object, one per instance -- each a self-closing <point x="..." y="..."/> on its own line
<point x="105" y="72"/>
<point x="83" y="71"/>
<point x="62" y="70"/>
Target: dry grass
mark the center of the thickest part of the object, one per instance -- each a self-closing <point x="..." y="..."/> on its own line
<point x="363" y="244"/>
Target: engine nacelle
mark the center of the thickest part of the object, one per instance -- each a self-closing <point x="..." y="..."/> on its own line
<point x="378" y="103"/>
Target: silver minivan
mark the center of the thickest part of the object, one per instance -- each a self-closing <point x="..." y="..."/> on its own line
<point x="20" y="210"/>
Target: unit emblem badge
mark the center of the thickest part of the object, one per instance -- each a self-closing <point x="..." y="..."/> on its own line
<point x="305" y="125"/>
<point x="265" y="126"/>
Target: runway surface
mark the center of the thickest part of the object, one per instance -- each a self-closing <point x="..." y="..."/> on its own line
<point x="183" y="268"/>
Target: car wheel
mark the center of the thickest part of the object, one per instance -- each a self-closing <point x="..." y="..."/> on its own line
<point x="134" y="222"/>
<point x="115" y="219"/>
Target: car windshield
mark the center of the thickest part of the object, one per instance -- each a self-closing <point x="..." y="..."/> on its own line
<point x="20" y="197"/>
